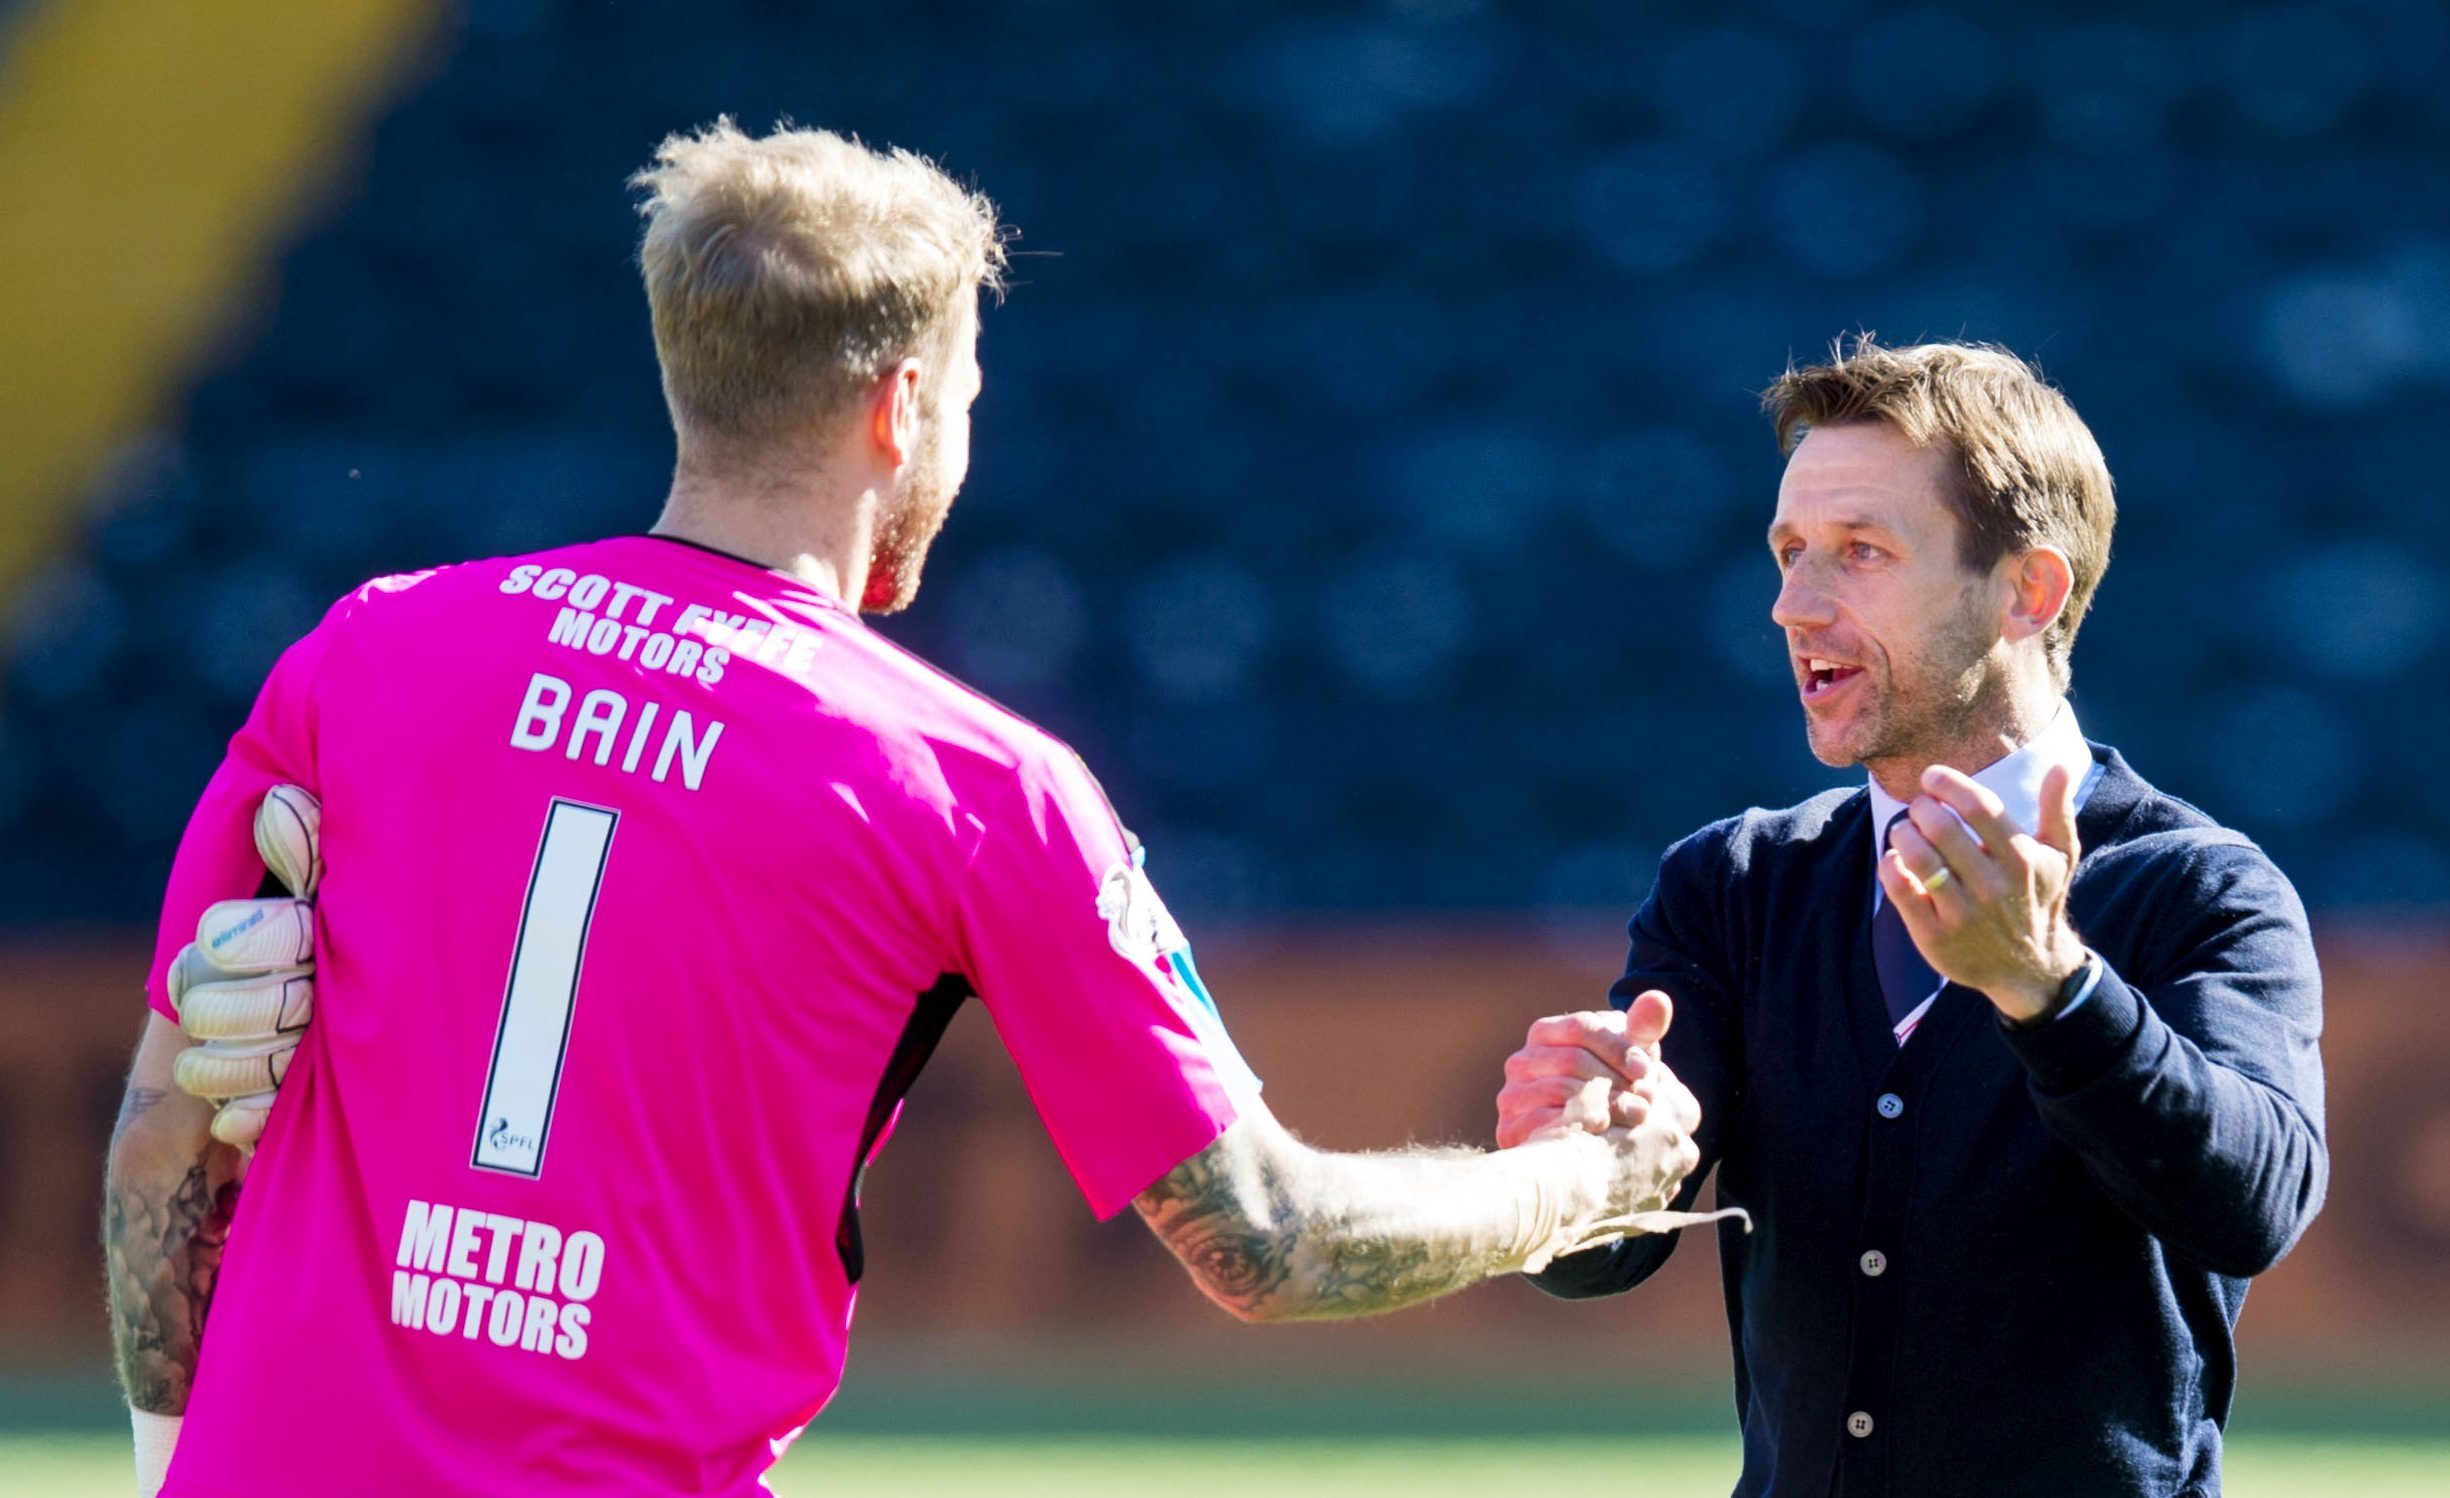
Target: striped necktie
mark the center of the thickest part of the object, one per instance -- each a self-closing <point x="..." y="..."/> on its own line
<point x="1905" y="979"/>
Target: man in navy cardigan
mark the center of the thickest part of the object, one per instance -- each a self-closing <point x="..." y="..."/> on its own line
<point x="2011" y="1056"/>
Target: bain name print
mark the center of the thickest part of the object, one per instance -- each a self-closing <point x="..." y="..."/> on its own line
<point x="545" y="718"/>
<point x="492" y="1278"/>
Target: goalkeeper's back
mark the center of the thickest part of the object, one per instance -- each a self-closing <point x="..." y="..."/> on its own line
<point x="652" y="876"/>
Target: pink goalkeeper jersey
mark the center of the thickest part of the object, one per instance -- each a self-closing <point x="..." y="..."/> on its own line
<point x="652" y="877"/>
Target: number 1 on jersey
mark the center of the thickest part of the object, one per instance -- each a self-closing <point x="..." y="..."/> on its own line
<point x="534" y="1037"/>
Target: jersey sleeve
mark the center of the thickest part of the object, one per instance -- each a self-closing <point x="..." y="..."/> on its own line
<point x="217" y="858"/>
<point x="1091" y="985"/>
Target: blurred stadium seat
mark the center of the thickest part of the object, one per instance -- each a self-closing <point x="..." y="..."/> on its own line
<point x="1368" y="479"/>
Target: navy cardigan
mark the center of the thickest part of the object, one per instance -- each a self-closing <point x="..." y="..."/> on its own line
<point x="1990" y="1261"/>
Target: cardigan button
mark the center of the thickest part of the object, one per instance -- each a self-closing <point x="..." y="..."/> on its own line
<point x="1890" y="1105"/>
<point x="1858" y="1425"/>
<point x="1875" y="1263"/>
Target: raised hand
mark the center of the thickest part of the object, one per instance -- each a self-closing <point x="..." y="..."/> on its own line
<point x="1986" y="902"/>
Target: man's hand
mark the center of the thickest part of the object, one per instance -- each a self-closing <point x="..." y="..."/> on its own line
<point x="1653" y="1156"/>
<point x="245" y="987"/>
<point x="1986" y="903"/>
<point x="1564" y="1055"/>
<point x="1649" y="1159"/>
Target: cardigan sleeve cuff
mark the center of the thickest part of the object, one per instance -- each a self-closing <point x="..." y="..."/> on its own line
<point x="1584" y="1276"/>
<point x="2080" y="1044"/>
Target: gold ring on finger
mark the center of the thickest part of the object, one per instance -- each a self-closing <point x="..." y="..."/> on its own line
<point x="1933" y="880"/>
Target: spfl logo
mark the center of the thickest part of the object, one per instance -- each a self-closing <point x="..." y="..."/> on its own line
<point x="500" y="1137"/>
<point x="1137" y="923"/>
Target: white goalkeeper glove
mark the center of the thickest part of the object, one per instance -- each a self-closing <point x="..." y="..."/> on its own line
<point x="245" y="987"/>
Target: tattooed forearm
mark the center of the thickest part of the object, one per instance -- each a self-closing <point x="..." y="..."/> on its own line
<point x="1228" y="1243"/>
<point x="1385" y="1272"/>
<point x="139" y="1101"/>
<point x="1273" y="1230"/>
<point x="163" y="1232"/>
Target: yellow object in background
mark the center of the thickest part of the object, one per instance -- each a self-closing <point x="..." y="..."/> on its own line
<point x="153" y="156"/>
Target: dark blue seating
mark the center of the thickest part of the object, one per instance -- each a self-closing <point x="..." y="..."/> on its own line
<point x="1368" y="478"/>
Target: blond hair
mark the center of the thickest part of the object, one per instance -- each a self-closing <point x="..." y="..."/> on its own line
<point x="2029" y="473"/>
<point x="786" y="275"/>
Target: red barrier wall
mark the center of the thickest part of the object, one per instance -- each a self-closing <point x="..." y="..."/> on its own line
<point x="981" y="1251"/>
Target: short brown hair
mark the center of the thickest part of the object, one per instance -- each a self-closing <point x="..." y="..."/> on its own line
<point x="2029" y="472"/>
<point x="786" y="275"/>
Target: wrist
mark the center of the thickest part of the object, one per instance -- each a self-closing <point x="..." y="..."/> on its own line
<point x="2050" y="989"/>
<point x="157" y="1438"/>
<point x="1566" y="1191"/>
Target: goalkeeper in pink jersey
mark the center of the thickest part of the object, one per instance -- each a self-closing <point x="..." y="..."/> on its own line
<point x="631" y="885"/>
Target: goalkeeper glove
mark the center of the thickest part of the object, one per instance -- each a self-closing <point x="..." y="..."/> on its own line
<point x="245" y="987"/>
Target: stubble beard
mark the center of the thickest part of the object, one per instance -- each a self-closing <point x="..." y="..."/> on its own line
<point x="1926" y="714"/>
<point x="907" y="527"/>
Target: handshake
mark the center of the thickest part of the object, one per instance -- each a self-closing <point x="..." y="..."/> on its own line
<point x="244" y="990"/>
<point x="1599" y="1072"/>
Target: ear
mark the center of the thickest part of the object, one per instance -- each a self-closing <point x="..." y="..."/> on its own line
<point x="893" y="414"/>
<point x="2038" y="582"/>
